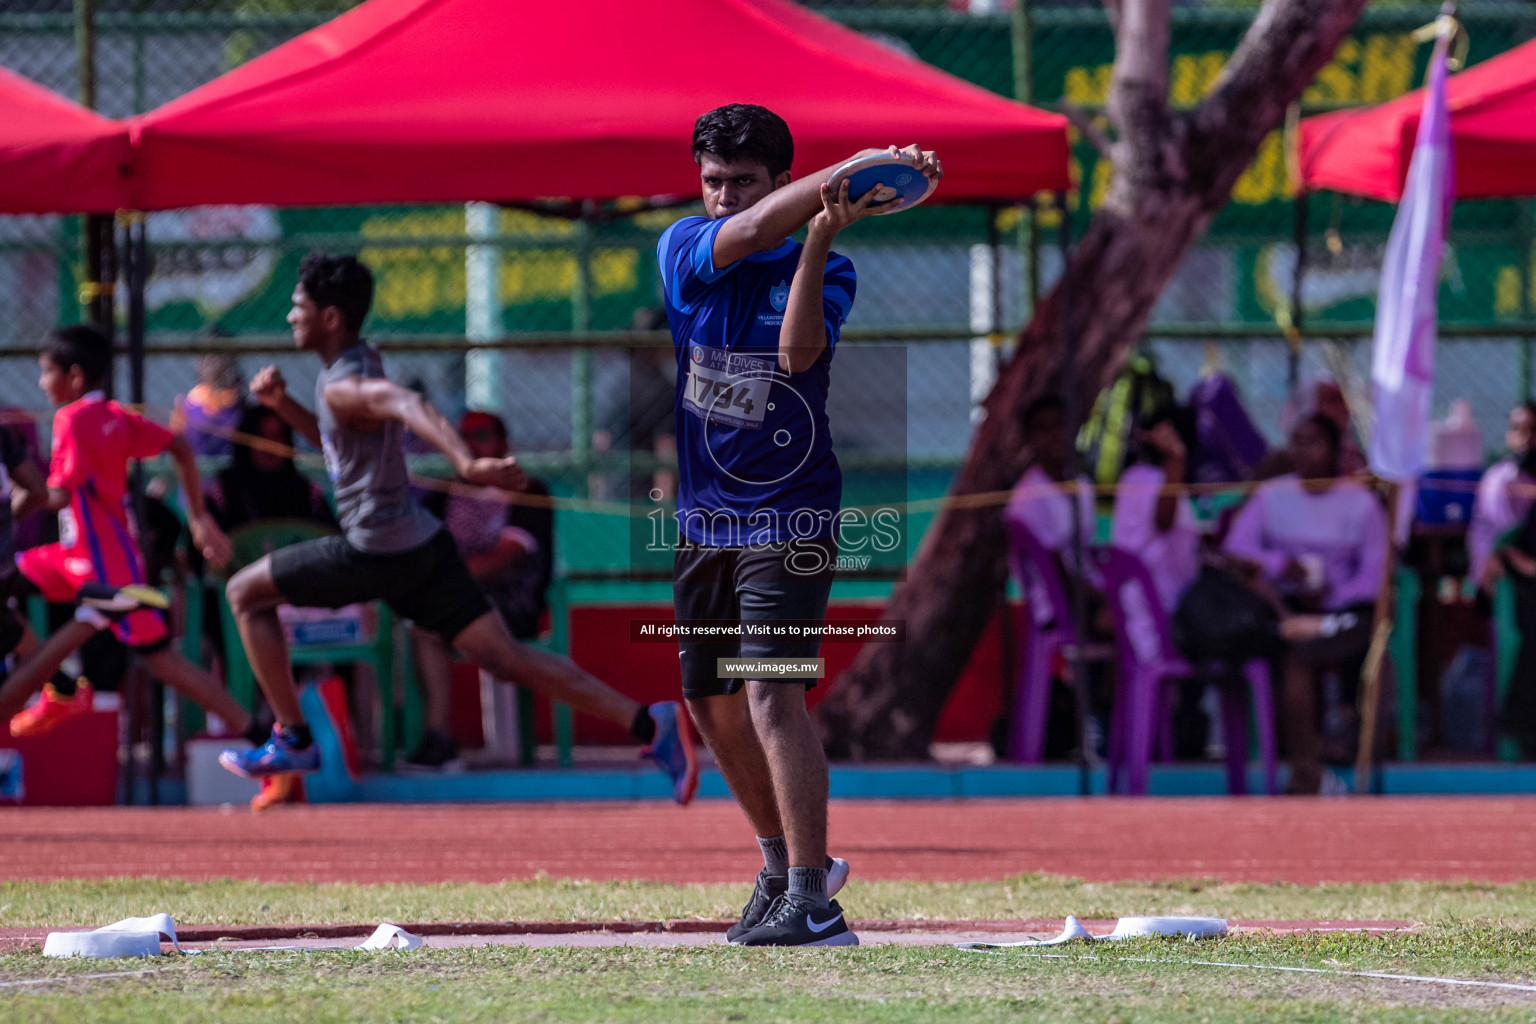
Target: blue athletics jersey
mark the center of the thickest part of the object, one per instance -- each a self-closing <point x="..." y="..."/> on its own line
<point x="754" y="449"/>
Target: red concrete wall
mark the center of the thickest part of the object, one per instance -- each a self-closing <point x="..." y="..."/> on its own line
<point x="73" y="765"/>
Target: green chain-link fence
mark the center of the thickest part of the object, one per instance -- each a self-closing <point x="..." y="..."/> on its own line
<point x="932" y="280"/>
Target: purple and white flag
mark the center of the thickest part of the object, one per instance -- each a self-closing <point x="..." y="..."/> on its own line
<point x="1403" y="352"/>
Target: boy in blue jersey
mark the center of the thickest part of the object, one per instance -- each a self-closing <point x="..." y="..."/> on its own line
<point x="755" y="319"/>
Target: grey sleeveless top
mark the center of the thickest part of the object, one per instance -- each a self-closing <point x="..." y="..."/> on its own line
<point x="374" y="503"/>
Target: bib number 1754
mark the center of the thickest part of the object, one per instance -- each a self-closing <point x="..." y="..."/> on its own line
<point x="728" y="389"/>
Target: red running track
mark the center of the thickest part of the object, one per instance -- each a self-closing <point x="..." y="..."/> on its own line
<point x="1258" y="840"/>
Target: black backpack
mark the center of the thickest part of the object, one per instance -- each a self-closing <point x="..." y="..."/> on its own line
<point x="1220" y="620"/>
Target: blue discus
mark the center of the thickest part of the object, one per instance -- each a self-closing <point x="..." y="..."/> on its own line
<point x="906" y="185"/>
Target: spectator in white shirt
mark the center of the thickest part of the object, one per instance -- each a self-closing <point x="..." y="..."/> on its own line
<point x="1153" y="517"/>
<point x="1043" y="502"/>
<point x="1321" y="544"/>
<point x="1504" y="495"/>
<point x="1039" y="500"/>
<point x="1155" y="521"/>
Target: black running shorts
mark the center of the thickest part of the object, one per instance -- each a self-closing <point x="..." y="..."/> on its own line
<point x="748" y="584"/>
<point x="429" y="584"/>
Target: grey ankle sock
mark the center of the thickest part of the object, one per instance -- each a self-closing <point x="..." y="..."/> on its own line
<point x="810" y="883"/>
<point x="775" y="855"/>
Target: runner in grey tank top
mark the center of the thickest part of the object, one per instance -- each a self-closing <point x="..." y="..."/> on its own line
<point x="374" y="503"/>
<point x="392" y="550"/>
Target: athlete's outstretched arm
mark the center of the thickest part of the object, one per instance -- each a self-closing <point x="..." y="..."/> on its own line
<point x="773" y="218"/>
<point x="29" y="490"/>
<point x="359" y="400"/>
<point x="271" y="390"/>
<point x="803" y="337"/>
<point x="786" y="210"/>
<point x="206" y="534"/>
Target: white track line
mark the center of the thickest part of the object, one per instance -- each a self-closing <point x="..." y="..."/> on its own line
<point x="1466" y="982"/>
<point x="1510" y="985"/>
<point x="78" y="977"/>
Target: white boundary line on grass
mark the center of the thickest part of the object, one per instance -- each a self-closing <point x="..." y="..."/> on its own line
<point x="1467" y="982"/>
<point x="78" y="977"/>
<point x="1511" y="985"/>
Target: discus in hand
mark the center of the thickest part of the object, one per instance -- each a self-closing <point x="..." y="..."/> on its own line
<point x="896" y="183"/>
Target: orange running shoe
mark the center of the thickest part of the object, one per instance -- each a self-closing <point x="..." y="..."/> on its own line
<point x="278" y="789"/>
<point x="45" y="714"/>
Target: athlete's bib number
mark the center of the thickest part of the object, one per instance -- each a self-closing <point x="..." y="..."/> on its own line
<point x="728" y="388"/>
<point x="69" y="534"/>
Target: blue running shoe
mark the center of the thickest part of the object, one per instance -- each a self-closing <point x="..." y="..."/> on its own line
<point x="672" y="749"/>
<point x="274" y="757"/>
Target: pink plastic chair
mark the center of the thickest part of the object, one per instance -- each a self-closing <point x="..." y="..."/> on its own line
<point x="1048" y="628"/>
<point x="1147" y="660"/>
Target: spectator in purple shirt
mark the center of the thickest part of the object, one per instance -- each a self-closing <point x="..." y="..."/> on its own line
<point x="1319" y="543"/>
<point x="209" y="413"/>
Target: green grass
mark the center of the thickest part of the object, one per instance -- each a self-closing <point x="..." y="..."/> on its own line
<point x="1466" y="931"/>
<point x="80" y="903"/>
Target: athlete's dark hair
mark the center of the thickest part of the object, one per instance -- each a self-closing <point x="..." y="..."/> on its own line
<point x="340" y="281"/>
<point x="745" y="131"/>
<point x="84" y="345"/>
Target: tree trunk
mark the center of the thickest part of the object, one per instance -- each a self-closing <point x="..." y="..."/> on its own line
<point x="1173" y="173"/>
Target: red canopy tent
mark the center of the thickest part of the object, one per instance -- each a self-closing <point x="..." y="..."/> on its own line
<point x="1493" y="132"/>
<point x="456" y="100"/>
<point x="56" y="156"/>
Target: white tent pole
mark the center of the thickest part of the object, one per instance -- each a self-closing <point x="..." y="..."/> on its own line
<point x="482" y="305"/>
